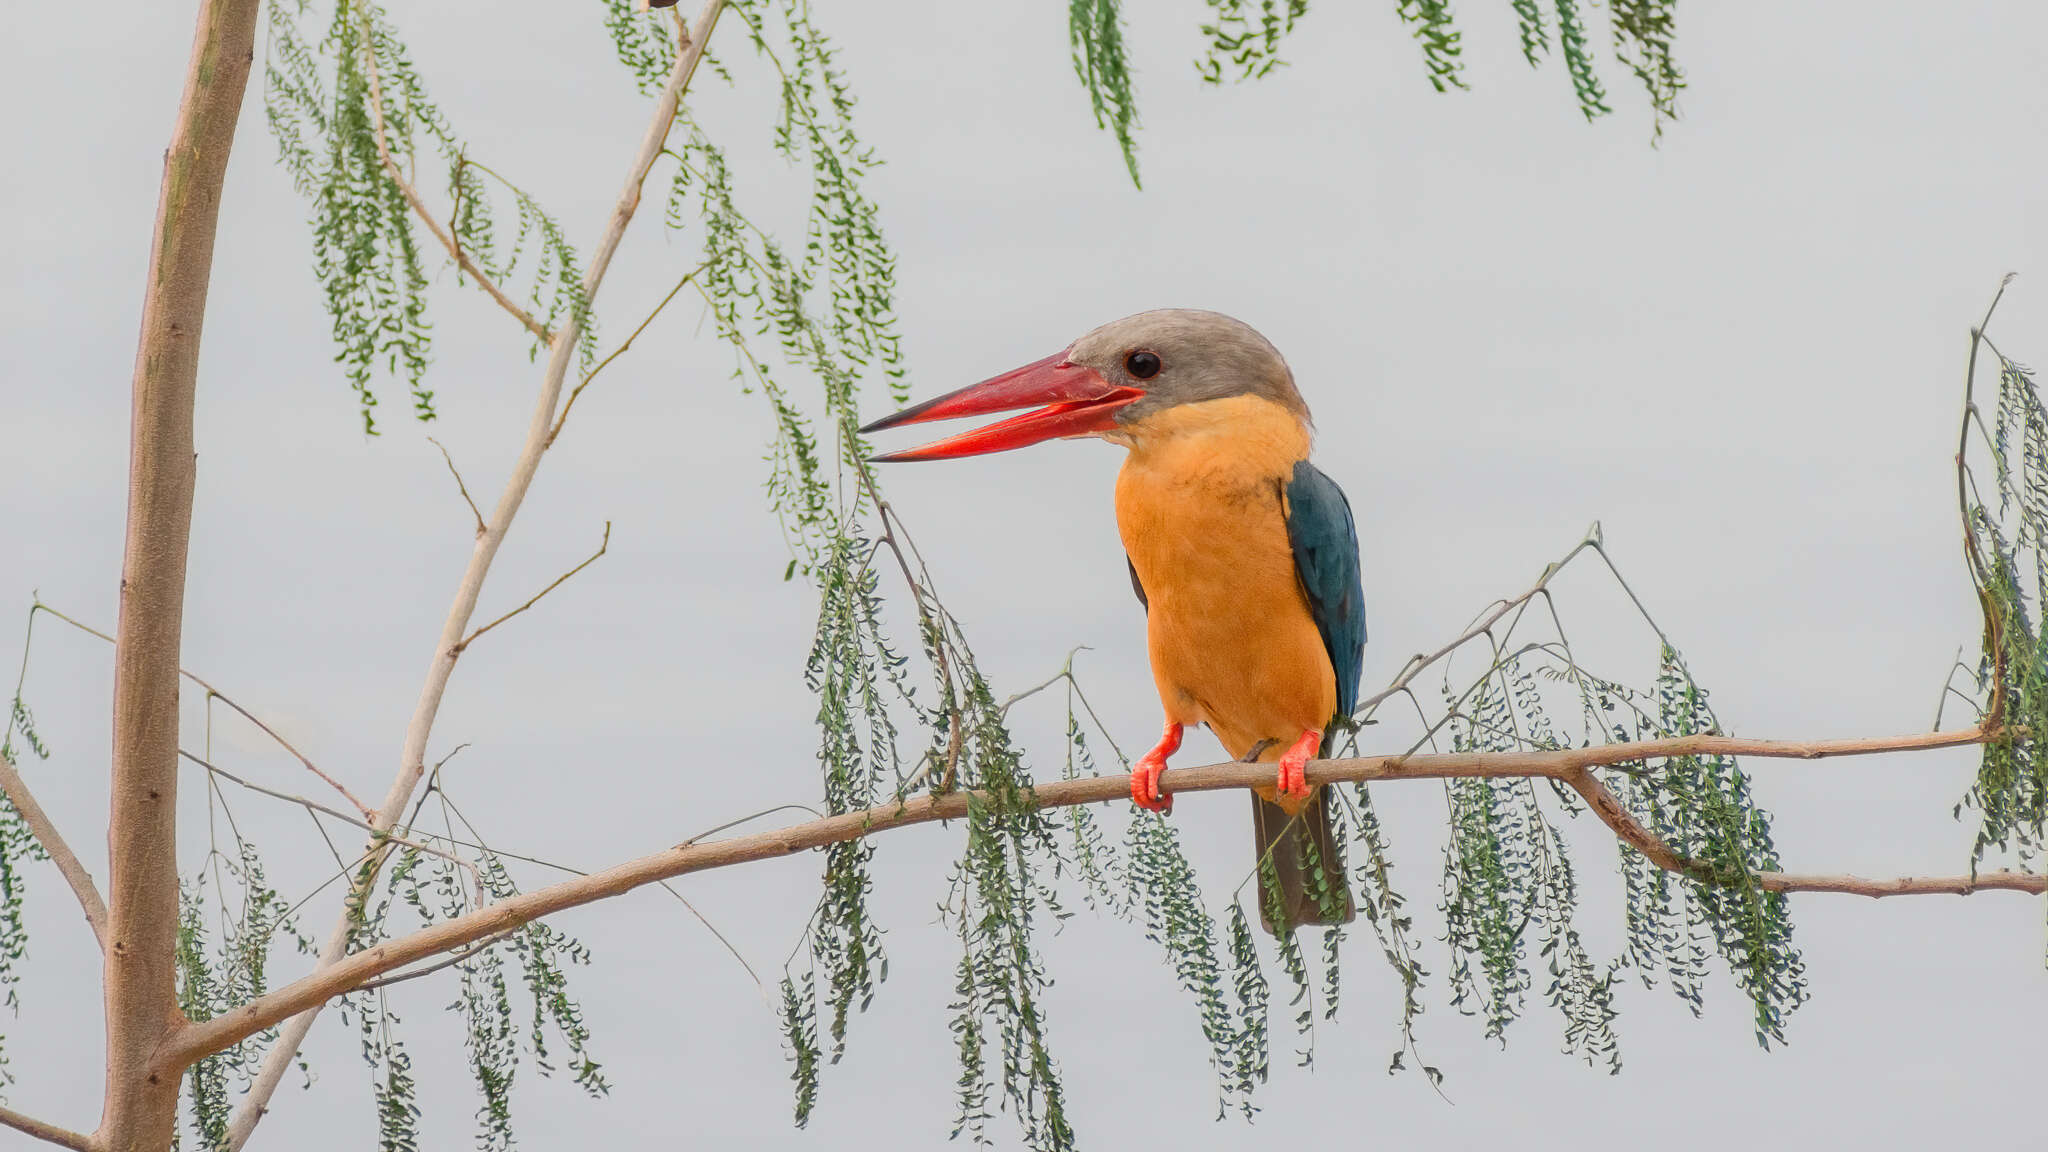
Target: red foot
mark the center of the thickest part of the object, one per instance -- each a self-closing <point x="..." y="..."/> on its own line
<point x="1294" y="765"/>
<point x="1145" y="791"/>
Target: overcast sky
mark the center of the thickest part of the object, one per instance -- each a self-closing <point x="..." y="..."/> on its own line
<point x="1740" y="351"/>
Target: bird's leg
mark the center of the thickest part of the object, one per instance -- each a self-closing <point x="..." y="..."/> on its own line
<point x="1145" y="791"/>
<point x="1294" y="764"/>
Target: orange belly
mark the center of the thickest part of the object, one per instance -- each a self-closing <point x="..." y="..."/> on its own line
<point x="1231" y="639"/>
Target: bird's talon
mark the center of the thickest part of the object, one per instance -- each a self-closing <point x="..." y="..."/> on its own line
<point x="1293" y="781"/>
<point x="1145" y="791"/>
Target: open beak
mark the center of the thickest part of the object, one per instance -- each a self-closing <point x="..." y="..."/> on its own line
<point x="1076" y="402"/>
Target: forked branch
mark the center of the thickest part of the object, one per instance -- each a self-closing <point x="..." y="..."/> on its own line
<point x="1570" y="766"/>
<point x="602" y="545"/>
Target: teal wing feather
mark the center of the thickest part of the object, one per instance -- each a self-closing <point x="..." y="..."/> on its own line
<point x="1325" y="541"/>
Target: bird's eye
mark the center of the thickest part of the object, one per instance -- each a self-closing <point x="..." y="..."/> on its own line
<point x="1143" y="365"/>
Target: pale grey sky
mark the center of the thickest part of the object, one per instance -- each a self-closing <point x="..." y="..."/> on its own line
<point x="1741" y="352"/>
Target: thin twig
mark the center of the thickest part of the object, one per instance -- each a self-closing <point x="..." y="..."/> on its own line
<point x="1980" y="569"/>
<point x="1479" y="627"/>
<point x="459" y="485"/>
<point x="315" y="806"/>
<point x="445" y="235"/>
<point x="619" y="351"/>
<point x="930" y="617"/>
<point x="749" y="818"/>
<point x="216" y="694"/>
<point x="62" y="1137"/>
<point x="455" y="209"/>
<point x="38" y="821"/>
<point x="1567" y="765"/>
<point x="1066" y="673"/>
<point x="602" y="545"/>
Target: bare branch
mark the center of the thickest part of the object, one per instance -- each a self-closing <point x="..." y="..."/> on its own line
<point x="419" y="206"/>
<point x="224" y="698"/>
<point x="62" y="1137"/>
<point x="459" y="485"/>
<point x="535" y="599"/>
<point x="448" y="648"/>
<point x="60" y="853"/>
<point x="617" y="352"/>
<point x="1567" y="766"/>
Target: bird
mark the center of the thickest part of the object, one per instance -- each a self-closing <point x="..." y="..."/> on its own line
<point x="1243" y="554"/>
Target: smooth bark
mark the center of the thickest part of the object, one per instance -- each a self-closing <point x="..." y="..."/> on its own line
<point x="142" y="914"/>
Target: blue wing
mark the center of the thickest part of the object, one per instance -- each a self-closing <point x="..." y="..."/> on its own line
<point x="1326" y="558"/>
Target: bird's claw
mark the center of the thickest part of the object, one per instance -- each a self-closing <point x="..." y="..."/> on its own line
<point x="1145" y="791"/>
<point x="1293" y="782"/>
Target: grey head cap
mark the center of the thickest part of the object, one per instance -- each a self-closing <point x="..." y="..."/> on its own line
<point x="1194" y="356"/>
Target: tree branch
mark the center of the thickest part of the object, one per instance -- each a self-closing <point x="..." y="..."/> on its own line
<point x="419" y="206"/>
<point x="228" y="700"/>
<point x="62" y="1137"/>
<point x="140" y="984"/>
<point x="1479" y="627"/>
<point x="1568" y="766"/>
<point x="412" y="757"/>
<point x="618" y="352"/>
<point x="459" y="485"/>
<point x="60" y="853"/>
<point x="602" y="545"/>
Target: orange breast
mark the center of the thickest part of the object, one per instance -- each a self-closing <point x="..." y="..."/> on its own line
<point x="1199" y="507"/>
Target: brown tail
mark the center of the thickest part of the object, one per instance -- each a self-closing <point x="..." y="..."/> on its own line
<point x="1283" y="840"/>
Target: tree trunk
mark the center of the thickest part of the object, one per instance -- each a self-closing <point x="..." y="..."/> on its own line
<point x="141" y="977"/>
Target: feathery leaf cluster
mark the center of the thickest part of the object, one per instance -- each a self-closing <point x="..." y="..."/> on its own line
<point x="2007" y="541"/>
<point x="226" y="966"/>
<point x="352" y="120"/>
<point x="18" y="845"/>
<point x="1242" y="39"/>
<point x="1001" y="894"/>
<point x="433" y="888"/>
<point x="1170" y="900"/>
<point x="1102" y="62"/>
<point x="1244" y="43"/>
<point x="1507" y="871"/>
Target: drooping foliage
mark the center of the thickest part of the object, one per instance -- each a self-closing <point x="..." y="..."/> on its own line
<point x="1243" y="40"/>
<point x="2005" y="542"/>
<point x="18" y="846"/>
<point x="354" y="127"/>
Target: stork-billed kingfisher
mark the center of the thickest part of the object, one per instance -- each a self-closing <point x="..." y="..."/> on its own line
<point x="1243" y="554"/>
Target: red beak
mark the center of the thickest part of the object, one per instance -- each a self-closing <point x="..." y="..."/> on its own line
<point x="1077" y="401"/>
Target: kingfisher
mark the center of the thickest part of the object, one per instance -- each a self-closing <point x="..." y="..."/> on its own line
<point x="1243" y="554"/>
